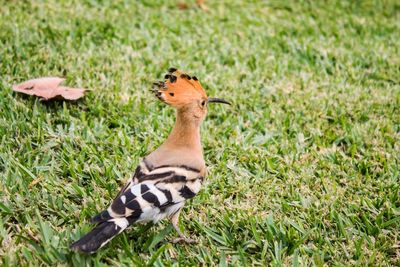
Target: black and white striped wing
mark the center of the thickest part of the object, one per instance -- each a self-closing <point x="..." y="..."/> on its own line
<point x="153" y="193"/>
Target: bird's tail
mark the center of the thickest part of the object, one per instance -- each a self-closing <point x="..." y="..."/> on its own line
<point x="100" y="235"/>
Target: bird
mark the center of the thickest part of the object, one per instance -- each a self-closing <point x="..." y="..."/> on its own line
<point x="166" y="178"/>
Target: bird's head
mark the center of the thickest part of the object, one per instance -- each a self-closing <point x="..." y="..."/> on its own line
<point x="185" y="93"/>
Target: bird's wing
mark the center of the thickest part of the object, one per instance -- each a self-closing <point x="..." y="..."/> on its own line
<point x="151" y="188"/>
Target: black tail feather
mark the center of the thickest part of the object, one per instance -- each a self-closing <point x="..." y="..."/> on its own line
<point x="96" y="238"/>
<point x="101" y="217"/>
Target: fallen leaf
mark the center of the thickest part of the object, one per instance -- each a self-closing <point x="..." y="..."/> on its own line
<point x="199" y="3"/>
<point x="182" y="6"/>
<point x="48" y="88"/>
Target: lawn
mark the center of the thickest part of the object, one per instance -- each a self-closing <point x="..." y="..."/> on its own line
<point x="303" y="169"/>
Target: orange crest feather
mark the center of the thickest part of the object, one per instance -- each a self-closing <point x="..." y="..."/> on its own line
<point x="179" y="88"/>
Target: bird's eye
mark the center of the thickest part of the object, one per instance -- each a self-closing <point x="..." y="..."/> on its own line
<point x="203" y="103"/>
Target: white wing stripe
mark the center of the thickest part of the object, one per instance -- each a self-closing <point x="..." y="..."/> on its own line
<point x="136" y="190"/>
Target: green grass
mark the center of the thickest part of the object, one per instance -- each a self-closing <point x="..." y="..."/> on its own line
<point x="304" y="169"/>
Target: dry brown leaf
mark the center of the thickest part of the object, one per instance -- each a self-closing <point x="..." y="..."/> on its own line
<point x="200" y="4"/>
<point x="48" y="88"/>
<point x="182" y="6"/>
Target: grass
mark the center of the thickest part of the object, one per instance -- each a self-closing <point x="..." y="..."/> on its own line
<point x="303" y="170"/>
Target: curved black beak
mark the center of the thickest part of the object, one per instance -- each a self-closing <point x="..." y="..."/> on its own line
<point x="217" y="100"/>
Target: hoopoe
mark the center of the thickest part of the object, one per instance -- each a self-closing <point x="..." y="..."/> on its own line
<point x="165" y="178"/>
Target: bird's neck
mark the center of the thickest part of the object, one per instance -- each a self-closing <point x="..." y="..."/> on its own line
<point x="186" y="133"/>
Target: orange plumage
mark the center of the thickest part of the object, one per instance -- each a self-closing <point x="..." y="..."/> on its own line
<point x="179" y="89"/>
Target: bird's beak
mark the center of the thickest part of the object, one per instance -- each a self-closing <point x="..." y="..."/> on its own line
<point x="217" y="100"/>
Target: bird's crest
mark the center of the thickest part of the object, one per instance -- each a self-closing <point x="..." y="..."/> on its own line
<point x="179" y="88"/>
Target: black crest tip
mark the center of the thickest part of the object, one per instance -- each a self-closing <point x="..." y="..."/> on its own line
<point x="171" y="70"/>
<point x="185" y="76"/>
<point x="172" y="79"/>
